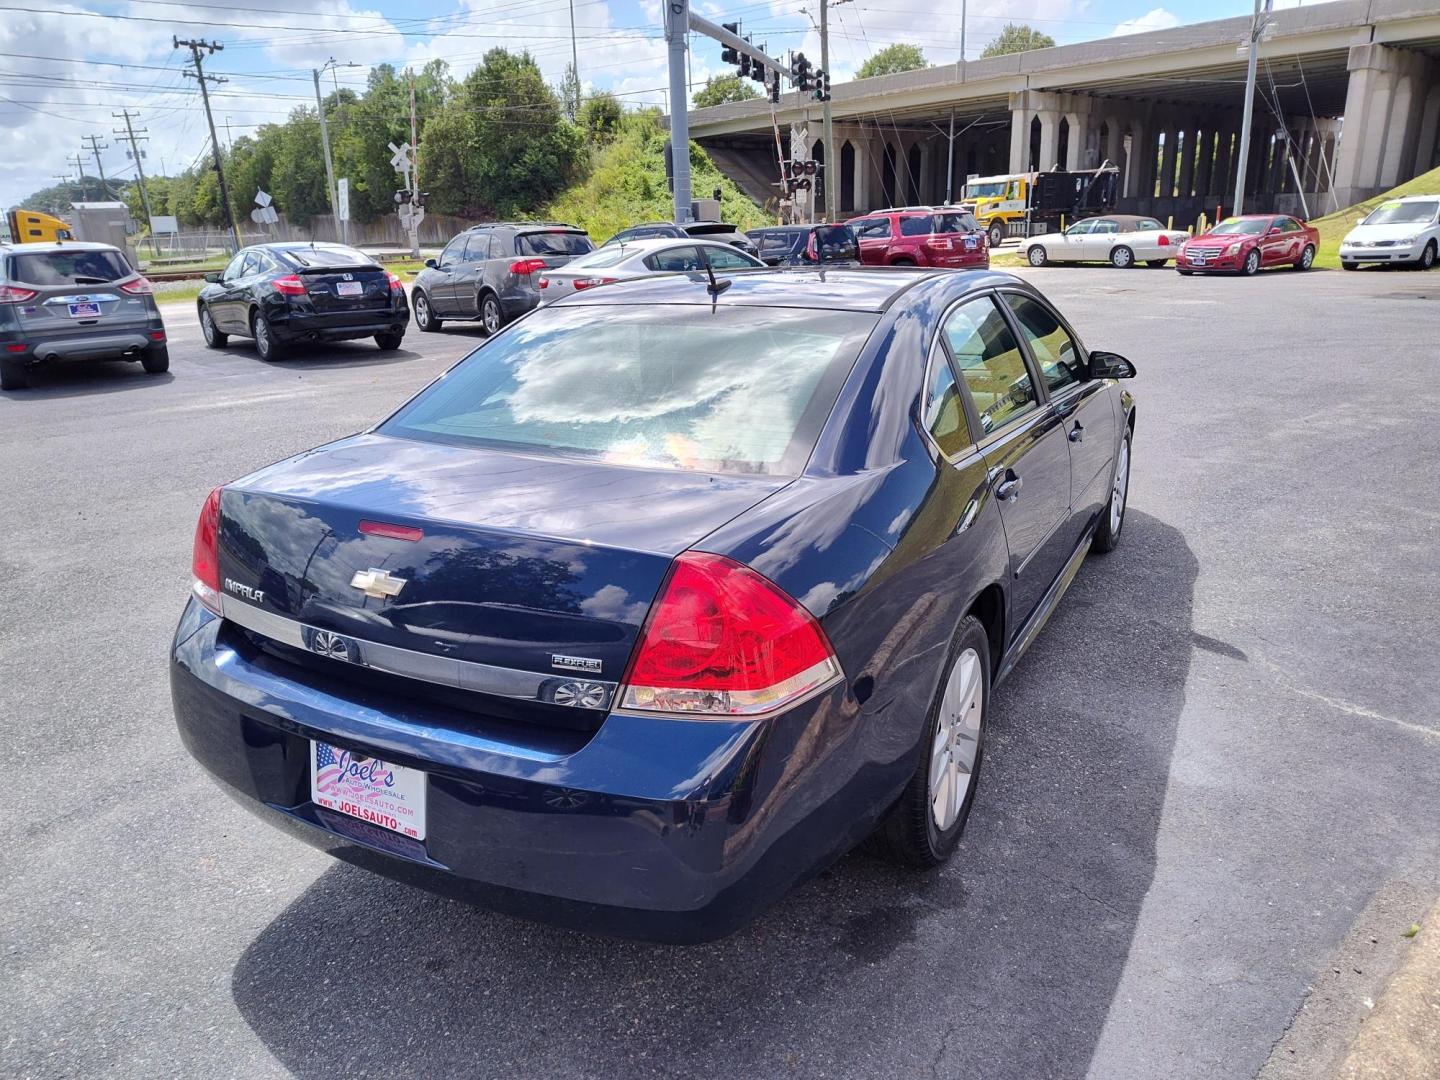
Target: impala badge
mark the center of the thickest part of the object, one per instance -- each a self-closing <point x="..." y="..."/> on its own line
<point x="377" y="583"/>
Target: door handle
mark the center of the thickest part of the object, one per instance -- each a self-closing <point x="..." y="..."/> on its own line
<point x="1008" y="490"/>
<point x="1077" y="433"/>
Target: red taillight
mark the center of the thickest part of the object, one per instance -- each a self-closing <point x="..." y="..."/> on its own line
<point x="16" y="347"/>
<point x="9" y="294"/>
<point x="1164" y="240"/>
<point x="205" y="559"/>
<point x="289" y="285"/>
<point x="527" y="266"/>
<point x="396" y="285"/>
<point x="722" y="640"/>
<point x="544" y="282"/>
<point x="157" y="335"/>
<point x="591" y="282"/>
<point x="391" y="532"/>
<point x="139" y="287"/>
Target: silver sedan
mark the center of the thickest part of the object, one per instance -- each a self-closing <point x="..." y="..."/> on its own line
<point x="641" y="258"/>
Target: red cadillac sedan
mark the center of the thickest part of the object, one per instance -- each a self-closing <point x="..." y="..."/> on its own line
<point x="1242" y="245"/>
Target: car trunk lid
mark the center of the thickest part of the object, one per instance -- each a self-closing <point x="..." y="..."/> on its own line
<point x="79" y="290"/>
<point x="346" y="288"/>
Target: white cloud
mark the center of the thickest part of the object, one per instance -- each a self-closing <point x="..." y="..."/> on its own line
<point x="1154" y="19"/>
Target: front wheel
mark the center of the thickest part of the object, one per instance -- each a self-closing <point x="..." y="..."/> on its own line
<point x="1252" y="263"/>
<point x="389" y="342"/>
<point x="1427" y="257"/>
<point x="1107" y="536"/>
<point x="925" y="825"/>
<point x="1155" y="264"/>
<point x="1122" y="258"/>
<point x="266" y="346"/>
<point x="1307" y="258"/>
<point x="424" y="314"/>
<point x="1037" y="255"/>
<point x="214" y="338"/>
<point x="491" y="315"/>
<point x="156" y="361"/>
<point x="996" y="233"/>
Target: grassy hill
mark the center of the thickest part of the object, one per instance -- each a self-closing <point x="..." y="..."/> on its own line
<point x="627" y="185"/>
<point x="1333" y="227"/>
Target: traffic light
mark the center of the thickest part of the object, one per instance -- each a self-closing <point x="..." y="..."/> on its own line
<point x="757" y="70"/>
<point x="800" y="72"/>
<point x="822" y="85"/>
<point x="775" y="89"/>
<point x="729" y="54"/>
<point x="402" y="197"/>
<point x="744" y="65"/>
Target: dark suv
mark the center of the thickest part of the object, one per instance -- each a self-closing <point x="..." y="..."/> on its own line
<point x="918" y="236"/>
<point x="492" y="272"/>
<point x="69" y="301"/>
<point x="806" y="245"/>
<point x="720" y="231"/>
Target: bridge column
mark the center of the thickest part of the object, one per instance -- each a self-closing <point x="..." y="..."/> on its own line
<point x="1049" y="139"/>
<point x="1114" y="141"/>
<point x="1369" y="100"/>
<point x="1204" y="157"/>
<point x="1019" y="135"/>
<point x="1188" y="153"/>
<point x="1135" y="162"/>
<point x="1425" y="149"/>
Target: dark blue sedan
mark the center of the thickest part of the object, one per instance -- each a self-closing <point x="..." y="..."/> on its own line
<point x="665" y="597"/>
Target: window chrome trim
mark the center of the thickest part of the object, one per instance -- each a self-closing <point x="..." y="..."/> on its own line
<point x="427" y="667"/>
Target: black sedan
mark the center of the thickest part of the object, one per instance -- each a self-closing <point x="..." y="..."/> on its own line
<point x="665" y="597"/>
<point x="284" y="294"/>
<point x="806" y="245"/>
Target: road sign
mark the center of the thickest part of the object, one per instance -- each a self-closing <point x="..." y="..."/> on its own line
<point x="342" y="198"/>
<point x="400" y="159"/>
<point x="264" y="213"/>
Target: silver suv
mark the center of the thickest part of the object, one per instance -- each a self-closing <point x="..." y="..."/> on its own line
<point x="492" y="272"/>
<point x="72" y="301"/>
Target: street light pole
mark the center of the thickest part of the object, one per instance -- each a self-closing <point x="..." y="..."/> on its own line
<point x="325" y="141"/>
<point x="832" y="161"/>
<point x="1257" y="27"/>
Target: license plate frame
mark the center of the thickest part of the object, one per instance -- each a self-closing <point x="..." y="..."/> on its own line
<point x="349" y="289"/>
<point x="85" y="309"/>
<point x="355" y="785"/>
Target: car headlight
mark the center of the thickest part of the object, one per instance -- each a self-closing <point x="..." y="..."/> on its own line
<point x="1407" y="240"/>
<point x="1234" y="247"/>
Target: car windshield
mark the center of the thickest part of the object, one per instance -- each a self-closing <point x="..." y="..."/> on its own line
<point x="554" y="243"/>
<point x="326" y="255"/>
<point x="1396" y="212"/>
<point x="725" y="389"/>
<point x="1242" y="227"/>
<point x="985" y="191"/>
<point x="51" y="268"/>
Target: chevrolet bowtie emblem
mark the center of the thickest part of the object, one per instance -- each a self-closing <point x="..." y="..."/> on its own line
<point x="377" y="583"/>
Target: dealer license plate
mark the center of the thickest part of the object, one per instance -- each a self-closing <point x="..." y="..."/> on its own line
<point x="390" y="796"/>
<point x="85" y="310"/>
<point x="350" y="288"/>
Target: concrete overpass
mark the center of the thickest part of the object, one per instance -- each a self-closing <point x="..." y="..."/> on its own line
<point x="1165" y="106"/>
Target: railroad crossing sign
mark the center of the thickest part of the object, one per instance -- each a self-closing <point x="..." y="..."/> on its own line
<point x="401" y="159"/>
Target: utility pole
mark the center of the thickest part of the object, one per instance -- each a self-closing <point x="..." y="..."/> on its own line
<point x="95" y="147"/>
<point x="574" y="58"/>
<point x="832" y="162"/>
<point x="325" y="142"/>
<point x="677" y="29"/>
<point x="414" y="174"/>
<point x="129" y="132"/>
<point x="1258" y="24"/>
<point x="79" y="174"/>
<point x="210" y="48"/>
<point x="963" y="5"/>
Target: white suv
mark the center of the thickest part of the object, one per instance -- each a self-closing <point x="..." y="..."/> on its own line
<point x="1397" y="231"/>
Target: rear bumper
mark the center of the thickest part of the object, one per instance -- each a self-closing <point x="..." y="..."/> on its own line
<point x="124" y="345"/>
<point x="654" y="828"/>
<point x="338" y="326"/>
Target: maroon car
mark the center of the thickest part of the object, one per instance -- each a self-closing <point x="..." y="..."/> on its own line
<point x="942" y="236"/>
<point x="1242" y="245"/>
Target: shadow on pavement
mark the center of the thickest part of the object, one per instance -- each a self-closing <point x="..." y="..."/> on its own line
<point x="79" y="378"/>
<point x="1002" y="964"/>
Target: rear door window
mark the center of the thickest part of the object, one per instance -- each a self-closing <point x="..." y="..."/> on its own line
<point x="918" y="225"/>
<point x="728" y="259"/>
<point x="990" y="363"/>
<point x="52" y="269"/>
<point x="872" y="228"/>
<point x="728" y="389"/>
<point x="554" y="243"/>
<point x="944" y="412"/>
<point x="675" y="260"/>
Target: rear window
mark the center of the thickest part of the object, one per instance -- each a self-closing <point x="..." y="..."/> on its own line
<point x="52" y="268"/>
<point x="729" y="389"/>
<point x="326" y="255"/>
<point x="918" y="225"/>
<point x="553" y="243"/>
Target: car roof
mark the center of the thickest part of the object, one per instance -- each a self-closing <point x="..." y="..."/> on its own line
<point x="525" y="225"/>
<point x="57" y="245"/>
<point x="873" y="289"/>
<point x="653" y="243"/>
<point x="1121" y="219"/>
<point x="1412" y="198"/>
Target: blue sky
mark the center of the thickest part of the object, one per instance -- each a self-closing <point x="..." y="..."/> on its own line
<point x="66" y="67"/>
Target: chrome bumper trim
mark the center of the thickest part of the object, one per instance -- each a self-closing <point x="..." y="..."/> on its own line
<point x="558" y="689"/>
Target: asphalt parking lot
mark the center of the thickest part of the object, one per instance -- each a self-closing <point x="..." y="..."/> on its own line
<point x="1223" y="746"/>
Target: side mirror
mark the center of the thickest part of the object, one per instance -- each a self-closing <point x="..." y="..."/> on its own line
<point x="1109" y="365"/>
<point x="1275" y="229"/>
<point x="431" y="264"/>
<point x="213" y="279"/>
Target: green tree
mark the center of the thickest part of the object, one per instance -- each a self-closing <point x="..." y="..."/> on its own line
<point x="1017" y="37"/>
<point x="892" y="59"/>
<point x="719" y="89"/>
<point x="600" y="117"/>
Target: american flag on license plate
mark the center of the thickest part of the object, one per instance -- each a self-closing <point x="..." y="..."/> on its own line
<point x="327" y="769"/>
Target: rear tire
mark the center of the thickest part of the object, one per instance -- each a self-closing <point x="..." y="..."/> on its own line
<point x="389" y="342"/>
<point x="424" y="314"/>
<point x="1251" y="263"/>
<point x="1112" y="519"/>
<point x="1122" y="258"/>
<point x="996" y="233"/>
<point x="1307" y="258"/>
<point x="14" y="376"/>
<point x="213" y="337"/>
<point x="925" y="825"/>
<point x="266" y="346"/>
<point x="902" y="262"/>
<point x="491" y="316"/>
<point x="156" y="360"/>
<point x="1037" y="255"/>
<point x="1155" y="264"/>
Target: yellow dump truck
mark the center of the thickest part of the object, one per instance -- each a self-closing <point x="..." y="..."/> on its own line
<point x="998" y="202"/>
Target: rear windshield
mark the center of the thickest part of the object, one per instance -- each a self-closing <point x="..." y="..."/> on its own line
<point x="710" y="228"/>
<point x="52" y="268"/>
<point x="326" y="255"/>
<point x="729" y="389"/>
<point x="554" y="243"/>
<point x="609" y="255"/>
<point x="1395" y="212"/>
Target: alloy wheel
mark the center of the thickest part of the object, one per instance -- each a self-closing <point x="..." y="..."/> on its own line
<point x="957" y="739"/>
<point x="207" y="326"/>
<point x="490" y="310"/>
<point x="1120" y="488"/>
<point x="422" y="311"/>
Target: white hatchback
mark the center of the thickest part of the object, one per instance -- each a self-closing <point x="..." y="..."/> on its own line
<point x="1122" y="240"/>
<point x="1403" y="230"/>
